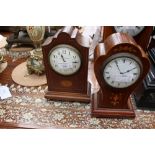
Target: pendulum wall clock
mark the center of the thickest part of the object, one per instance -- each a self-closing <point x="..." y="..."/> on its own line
<point x="66" y="64"/>
<point x="120" y="66"/>
<point x="141" y="34"/>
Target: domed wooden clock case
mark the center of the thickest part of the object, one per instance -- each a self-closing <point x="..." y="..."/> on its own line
<point x="120" y="66"/>
<point x="66" y="65"/>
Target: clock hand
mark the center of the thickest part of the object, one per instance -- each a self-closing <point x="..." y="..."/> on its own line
<point x="63" y="58"/>
<point x="75" y="62"/>
<point x="118" y="67"/>
<point x="129" y="70"/>
<point x="70" y="62"/>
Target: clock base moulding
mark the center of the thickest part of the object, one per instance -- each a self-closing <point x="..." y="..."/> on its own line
<point x="99" y="111"/>
<point x="70" y="96"/>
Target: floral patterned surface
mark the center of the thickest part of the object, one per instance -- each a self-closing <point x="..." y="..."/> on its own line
<point x="28" y="108"/>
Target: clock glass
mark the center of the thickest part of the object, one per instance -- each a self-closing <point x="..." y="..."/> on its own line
<point x="65" y="59"/>
<point x="131" y="30"/>
<point x="122" y="71"/>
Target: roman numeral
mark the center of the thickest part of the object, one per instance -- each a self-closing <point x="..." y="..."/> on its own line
<point x="64" y="51"/>
<point x="55" y="56"/>
<point x="74" y="56"/>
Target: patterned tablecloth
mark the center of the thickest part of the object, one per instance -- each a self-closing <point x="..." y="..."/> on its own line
<point x="29" y="109"/>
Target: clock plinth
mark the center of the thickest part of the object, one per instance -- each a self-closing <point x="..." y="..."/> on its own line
<point x="69" y="96"/>
<point x="98" y="109"/>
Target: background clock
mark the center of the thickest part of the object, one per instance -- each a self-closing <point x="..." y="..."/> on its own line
<point x="120" y="66"/>
<point x="141" y="34"/>
<point x="131" y="30"/>
<point x="66" y="57"/>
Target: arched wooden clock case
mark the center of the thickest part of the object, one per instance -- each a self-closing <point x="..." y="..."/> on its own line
<point x="141" y="39"/>
<point x="113" y="101"/>
<point x="73" y="87"/>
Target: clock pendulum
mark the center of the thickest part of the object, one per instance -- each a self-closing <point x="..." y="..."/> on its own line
<point x="120" y="65"/>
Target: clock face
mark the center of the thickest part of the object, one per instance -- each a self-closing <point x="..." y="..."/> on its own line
<point x="131" y="30"/>
<point x="122" y="71"/>
<point x="65" y="59"/>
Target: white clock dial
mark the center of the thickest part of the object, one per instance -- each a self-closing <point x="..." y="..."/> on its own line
<point x="131" y="30"/>
<point x="121" y="72"/>
<point x="65" y="59"/>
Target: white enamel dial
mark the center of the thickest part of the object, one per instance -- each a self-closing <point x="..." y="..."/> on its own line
<point x="121" y="72"/>
<point x="131" y="30"/>
<point x="65" y="59"/>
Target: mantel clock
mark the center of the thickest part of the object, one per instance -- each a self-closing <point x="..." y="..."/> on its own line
<point x="120" y="66"/>
<point x="66" y="64"/>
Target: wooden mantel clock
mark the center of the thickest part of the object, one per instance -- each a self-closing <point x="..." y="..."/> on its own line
<point x="66" y="64"/>
<point x="120" y="65"/>
<point x="141" y="34"/>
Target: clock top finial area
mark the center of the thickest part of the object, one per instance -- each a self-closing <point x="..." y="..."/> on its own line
<point x="68" y="35"/>
<point x="121" y="42"/>
<point x="69" y="31"/>
<point x="141" y="34"/>
<point x="119" y="38"/>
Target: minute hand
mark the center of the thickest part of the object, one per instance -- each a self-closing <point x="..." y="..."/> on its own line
<point x="118" y="67"/>
<point x="129" y="70"/>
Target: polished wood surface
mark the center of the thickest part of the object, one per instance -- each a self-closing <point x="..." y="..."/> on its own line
<point x="5" y="76"/>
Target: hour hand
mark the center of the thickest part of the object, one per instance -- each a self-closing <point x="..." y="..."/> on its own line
<point x="129" y="70"/>
<point x="63" y="58"/>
